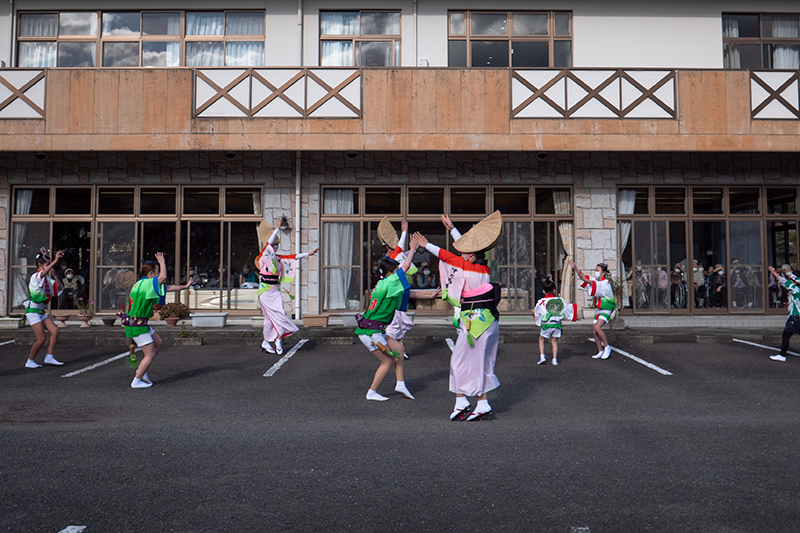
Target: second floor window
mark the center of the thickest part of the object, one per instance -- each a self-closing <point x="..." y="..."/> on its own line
<point x="761" y="41"/>
<point x="503" y="39"/>
<point x="359" y="38"/>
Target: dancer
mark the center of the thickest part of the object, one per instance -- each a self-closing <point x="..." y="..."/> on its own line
<point x="602" y="294"/>
<point x="793" y="322"/>
<point x="466" y="285"/>
<point x="548" y="314"/>
<point x="43" y="288"/>
<point x="273" y="270"/>
<point x="401" y="323"/>
<point x="386" y="299"/>
<point x="145" y="293"/>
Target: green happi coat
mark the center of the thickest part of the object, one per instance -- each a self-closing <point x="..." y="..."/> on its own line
<point x="144" y="295"/>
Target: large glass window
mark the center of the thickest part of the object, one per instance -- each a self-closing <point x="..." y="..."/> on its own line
<point x="359" y="38"/>
<point x="506" y="38"/>
<point x="753" y="41"/>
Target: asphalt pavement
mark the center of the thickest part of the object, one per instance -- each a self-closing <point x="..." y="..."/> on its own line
<point x="586" y="446"/>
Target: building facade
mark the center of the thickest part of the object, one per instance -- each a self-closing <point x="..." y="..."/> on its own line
<point x="644" y="135"/>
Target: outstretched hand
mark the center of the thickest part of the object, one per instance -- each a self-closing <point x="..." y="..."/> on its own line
<point x="404" y="226"/>
<point x="447" y="224"/>
<point x="314" y="252"/>
<point x="421" y="240"/>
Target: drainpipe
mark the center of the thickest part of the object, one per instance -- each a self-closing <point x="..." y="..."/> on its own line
<point x="300" y="32"/>
<point x="11" y="12"/>
<point x="416" y="33"/>
<point x="297" y="219"/>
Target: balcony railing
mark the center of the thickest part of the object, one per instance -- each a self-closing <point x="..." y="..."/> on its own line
<point x="22" y="93"/>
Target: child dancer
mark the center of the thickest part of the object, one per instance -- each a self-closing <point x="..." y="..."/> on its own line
<point x="793" y="322"/>
<point x="145" y="293"/>
<point x="386" y="299"/>
<point x="402" y="323"/>
<point x="548" y="313"/>
<point x="273" y="270"/>
<point x="599" y="288"/>
<point x="43" y="288"/>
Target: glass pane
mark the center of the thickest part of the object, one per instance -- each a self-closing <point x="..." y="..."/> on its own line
<point x="121" y="54"/>
<point x="512" y="201"/>
<point x="28" y="238"/>
<point x="782" y="201"/>
<point x="244" y="23"/>
<point x="341" y="285"/>
<point x="77" y="54"/>
<point x="489" y="24"/>
<point x="467" y="201"/>
<point x="670" y="200"/>
<point x="159" y="237"/>
<point x="121" y="24"/>
<point x="680" y="273"/>
<point x="375" y="54"/>
<point x="338" y="23"/>
<point x="380" y="23"/>
<point x="37" y="55"/>
<point x="782" y="241"/>
<point x="781" y="26"/>
<point x="31" y="201"/>
<point x="244" y="281"/>
<point x="38" y="24"/>
<point x="456" y="23"/>
<point x="204" y="23"/>
<point x="204" y="258"/>
<point x="243" y="201"/>
<point x="244" y="54"/>
<point x="340" y="201"/>
<point x="336" y="53"/>
<point x="553" y="201"/>
<point x="423" y="259"/>
<point x="340" y="247"/>
<point x="117" y="272"/>
<point x="77" y="24"/>
<point x="201" y="201"/>
<point x="626" y="261"/>
<point x="75" y="240"/>
<point x="744" y="201"/>
<point x="73" y="201"/>
<point x="526" y="54"/>
<point x="709" y="251"/>
<point x="562" y="24"/>
<point x="489" y="53"/>
<point x="740" y="25"/>
<point x="781" y="56"/>
<point x="115" y="202"/>
<point x="156" y="54"/>
<point x="204" y="54"/>
<point x="746" y="279"/>
<point x="341" y="289"/>
<point x="707" y="200"/>
<point x="425" y="201"/>
<point x="530" y="24"/>
<point x="157" y="201"/>
<point x="457" y="54"/>
<point x="382" y="201"/>
<point x="744" y="56"/>
<point x="562" y="54"/>
<point x="159" y="23"/>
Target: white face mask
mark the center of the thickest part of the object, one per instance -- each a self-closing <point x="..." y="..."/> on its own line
<point x="191" y="272"/>
<point x="426" y="272"/>
<point x="597" y="274"/>
<point x="69" y="276"/>
<point x="721" y="272"/>
<point x="677" y="270"/>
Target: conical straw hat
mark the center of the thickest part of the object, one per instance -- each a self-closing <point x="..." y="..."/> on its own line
<point x="387" y="233"/>
<point x="483" y="236"/>
<point x="265" y="230"/>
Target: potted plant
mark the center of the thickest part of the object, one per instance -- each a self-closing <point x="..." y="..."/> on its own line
<point x="85" y="311"/>
<point x="172" y="312"/>
<point x="109" y="320"/>
<point x="62" y="318"/>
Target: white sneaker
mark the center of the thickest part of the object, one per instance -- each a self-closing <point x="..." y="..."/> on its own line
<point x="30" y="363"/>
<point x="139" y="384"/>
<point x="606" y="352"/>
<point x="555" y="361"/>
<point x="267" y="347"/>
<point x="598" y="355"/>
<point x="404" y="391"/>
<point x="374" y="396"/>
<point x="542" y="360"/>
<point x="146" y="379"/>
<point x="778" y="357"/>
<point x="50" y="360"/>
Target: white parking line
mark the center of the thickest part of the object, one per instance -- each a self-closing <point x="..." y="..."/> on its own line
<point x="450" y="344"/>
<point x="7" y="342"/>
<point x="73" y="529"/>
<point x="640" y="360"/>
<point x="101" y="363"/>
<point x="271" y="372"/>
<point x="764" y="346"/>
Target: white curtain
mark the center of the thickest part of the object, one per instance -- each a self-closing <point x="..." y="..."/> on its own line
<point x="204" y="23"/>
<point x="244" y="54"/>
<point x="244" y="24"/>
<point x="339" y="23"/>
<point x="155" y="54"/>
<point x="338" y="247"/>
<point x="336" y="54"/>
<point x="37" y="55"/>
<point x="785" y="56"/>
<point x="38" y="25"/>
<point x="23" y="207"/>
<point x="566" y="230"/>
<point x="730" y="27"/>
<point x="627" y="202"/>
<point x="202" y="54"/>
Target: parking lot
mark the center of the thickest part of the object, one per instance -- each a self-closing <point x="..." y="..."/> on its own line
<point x="215" y="445"/>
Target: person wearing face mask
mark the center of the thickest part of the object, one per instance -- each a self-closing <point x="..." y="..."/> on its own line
<point x="793" y="322"/>
<point x="719" y="296"/>
<point x="73" y="287"/>
<point x="426" y="279"/>
<point x="699" y="283"/>
<point x="599" y="288"/>
<point x="677" y="288"/>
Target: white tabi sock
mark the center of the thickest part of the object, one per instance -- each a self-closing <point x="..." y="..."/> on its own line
<point x="30" y="363"/>
<point x="483" y="406"/>
<point x="542" y="359"/>
<point x="139" y="384"/>
<point x="461" y="403"/>
<point x="278" y="346"/>
<point x="51" y="360"/>
<point x="401" y="388"/>
<point x="373" y="395"/>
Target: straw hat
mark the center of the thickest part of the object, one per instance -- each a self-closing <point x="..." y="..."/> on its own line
<point x="387" y="233"/>
<point x="483" y="236"/>
<point x="265" y="230"/>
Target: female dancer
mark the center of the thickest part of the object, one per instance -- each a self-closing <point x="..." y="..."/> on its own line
<point x="273" y="270"/>
<point x="145" y="293"/>
<point x="43" y="288"/>
<point x="599" y="288"/>
<point x="402" y="323"/>
<point x="793" y="322"/>
<point x="467" y="287"/>
<point x="386" y="299"/>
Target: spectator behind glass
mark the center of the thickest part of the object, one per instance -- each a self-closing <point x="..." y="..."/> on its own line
<point x="426" y="279"/>
<point x="73" y="287"/>
<point x="247" y="276"/>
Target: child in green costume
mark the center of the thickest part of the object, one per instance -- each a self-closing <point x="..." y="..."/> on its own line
<point x="43" y="288"/>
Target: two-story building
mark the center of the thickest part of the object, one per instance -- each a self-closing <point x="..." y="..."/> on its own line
<point x="659" y="137"/>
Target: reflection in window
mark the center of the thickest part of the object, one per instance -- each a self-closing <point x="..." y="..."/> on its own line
<point x="77" y="54"/>
<point x="77" y="24"/>
<point x="670" y="200"/>
<point x="782" y="201"/>
<point x="121" y="54"/>
<point x="121" y="24"/>
<point x="155" y="54"/>
<point x="380" y="49"/>
<point x="161" y="23"/>
<point x="744" y="201"/>
<point x="205" y="54"/>
<point x="707" y="200"/>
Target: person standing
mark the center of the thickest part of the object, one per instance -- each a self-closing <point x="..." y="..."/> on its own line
<point x="43" y="288"/>
<point x="793" y="322"/>
<point x="145" y="293"/>
<point x="549" y="312"/>
<point x="599" y="288"/>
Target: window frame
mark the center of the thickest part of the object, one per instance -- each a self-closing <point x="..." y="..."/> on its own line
<point x="396" y="40"/>
<point x="760" y="40"/>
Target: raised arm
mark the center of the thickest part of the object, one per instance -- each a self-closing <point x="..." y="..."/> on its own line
<point x="49" y="266"/>
<point x="454" y="233"/>
<point x="162" y="268"/>
<point x="410" y="255"/>
<point x="578" y="270"/>
<point x="272" y="237"/>
<point x="303" y="255"/>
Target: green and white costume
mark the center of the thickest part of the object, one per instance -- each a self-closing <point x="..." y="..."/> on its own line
<point x="550" y="311"/>
<point x="41" y="289"/>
